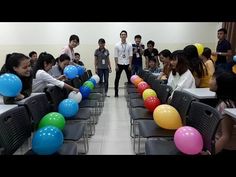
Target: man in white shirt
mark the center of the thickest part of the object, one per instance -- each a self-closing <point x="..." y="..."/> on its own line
<point x="123" y="59"/>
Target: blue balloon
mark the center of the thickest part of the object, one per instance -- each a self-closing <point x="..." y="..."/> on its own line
<point x="234" y="58"/>
<point x="10" y="85"/>
<point x="80" y="70"/>
<point x="85" y="91"/>
<point x="68" y="108"/>
<point x="93" y="81"/>
<point x="71" y="71"/>
<point x="47" y="140"/>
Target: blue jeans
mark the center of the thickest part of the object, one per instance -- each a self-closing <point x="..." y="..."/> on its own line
<point x="104" y="73"/>
<point x="135" y="69"/>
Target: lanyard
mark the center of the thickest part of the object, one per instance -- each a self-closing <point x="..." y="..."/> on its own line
<point x="123" y="48"/>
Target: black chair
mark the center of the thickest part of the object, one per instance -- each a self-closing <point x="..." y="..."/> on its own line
<point x="15" y="130"/>
<point x="202" y="117"/>
<point x="38" y="106"/>
<point x="181" y="101"/>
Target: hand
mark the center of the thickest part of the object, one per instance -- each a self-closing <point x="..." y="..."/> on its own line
<point x="76" y="90"/>
<point x="205" y="153"/>
<point x="62" y="77"/>
<point x="110" y="70"/>
<point x="130" y="67"/>
<point x="214" y="53"/>
<point x="117" y="68"/>
<point x="19" y="97"/>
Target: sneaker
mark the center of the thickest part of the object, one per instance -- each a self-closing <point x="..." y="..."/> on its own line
<point x="107" y="95"/>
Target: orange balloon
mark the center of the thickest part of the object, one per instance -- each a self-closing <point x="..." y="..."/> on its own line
<point x="137" y="81"/>
<point x="234" y="69"/>
<point x="167" y="117"/>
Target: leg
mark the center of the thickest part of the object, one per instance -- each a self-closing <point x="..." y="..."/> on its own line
<point x="128" y="73"/>
<point x="106" y="77"/>
<point x="118" y="73"/>
<point x="100" y="74"/>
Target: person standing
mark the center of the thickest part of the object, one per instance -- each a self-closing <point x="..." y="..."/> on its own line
<point x="138" y="49"/>
<point x="102" y="63"/>
<point x="151" y="53"/>
<point x="223" y="51"/>
<point x="123" y="59"/>
<point x="69" y="49"/>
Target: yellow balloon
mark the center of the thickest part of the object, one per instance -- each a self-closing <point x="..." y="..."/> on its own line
<point x="167" y="117"/>
<point x="148" y="92"/>
<point x="200" y="48"/>
<point x="234" y="69"/>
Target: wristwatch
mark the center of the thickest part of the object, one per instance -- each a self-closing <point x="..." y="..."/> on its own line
<point x="220" y="53"/>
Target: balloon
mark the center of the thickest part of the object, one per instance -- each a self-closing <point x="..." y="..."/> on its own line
<point x="75" y="96"/>
<point x="71" y="71"/>
<point x="93" y="81"/>
<point x="200" y="48"/>
<point x="234" y="58"/>
<point x="133" y="77"/>
<point x="54" y="119"/>
<point x="80" y="70"/>
<point x="142" y="86"/>
<point x="10" y="85"/>
<point x="137" y="81"/>
<point x="166" y="116"/>
<point x="151" y="103"/>
<point x="89" y="84"/>
<point x="47" y="140"/>
<point x="234" y="69"/>
<point x="85" y="91"/>
<point x="148" y="92"/>
<point x="68" y="108"/>
<point x="188" y="140"/>
<point x="96" y="78"/>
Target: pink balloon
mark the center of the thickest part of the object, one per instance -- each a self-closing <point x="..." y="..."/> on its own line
<point x="188" y="140"/>
<point x="133" y="78"/>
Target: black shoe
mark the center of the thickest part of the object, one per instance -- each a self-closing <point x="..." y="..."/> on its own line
<point x="116" y="95"/>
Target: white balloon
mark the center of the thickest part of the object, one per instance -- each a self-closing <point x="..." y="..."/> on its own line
<point x="75" y="96"/>
<point x="96" y="78"/>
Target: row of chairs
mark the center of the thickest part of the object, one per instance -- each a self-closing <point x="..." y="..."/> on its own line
<point x="160" y="141"/>
<point x="17" y="125"/>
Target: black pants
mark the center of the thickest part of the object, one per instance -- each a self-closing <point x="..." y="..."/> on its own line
<point x="118" y="73"/>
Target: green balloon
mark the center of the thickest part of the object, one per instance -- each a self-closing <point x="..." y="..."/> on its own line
<point x="54" y="119"/>
<point x="89" y="84"/>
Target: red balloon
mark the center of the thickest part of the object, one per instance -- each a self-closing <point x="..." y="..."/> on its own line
<point x="151" y="103"/>
<point x="142" y="86"/>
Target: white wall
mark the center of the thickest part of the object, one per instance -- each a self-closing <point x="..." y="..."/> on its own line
<point x="51" y="37"/>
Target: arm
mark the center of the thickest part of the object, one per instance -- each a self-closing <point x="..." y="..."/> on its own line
<point x="109" y="63"/>
<point x="146" y="61"/>
<point x="96" y="64"/>
<point x="227" y="128"/>
<point x="116" y="58"/>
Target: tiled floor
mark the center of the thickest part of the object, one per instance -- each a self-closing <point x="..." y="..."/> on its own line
<point x="112" y="130"/>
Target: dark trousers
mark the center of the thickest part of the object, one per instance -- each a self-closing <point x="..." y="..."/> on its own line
<point x="104" y="73"/>
<point x="135" y="69"/>
<point x="118" y="73"/>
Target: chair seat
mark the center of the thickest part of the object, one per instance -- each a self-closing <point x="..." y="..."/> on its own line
<point x="148" y="128"/>
<point x="95" y="96"/>
<point x="132" y="90"/>
<point x="88" y="103"/>
<point x="83" y="114"/>
<point x="73" y="131"/>
<point x="137" y="103"/>
<point x="134" y="96"/>
<point x="66" y="149"/>
<point x="160" y="147"/>
<point x="140" y="113"/>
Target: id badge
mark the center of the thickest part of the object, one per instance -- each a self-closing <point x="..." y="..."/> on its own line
<point x="103" y="61"/>
<point x="137" y="55"/>
<point x="124" y="56"/>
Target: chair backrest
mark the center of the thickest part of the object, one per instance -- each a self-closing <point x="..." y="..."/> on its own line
<point x="146" y="75"/>
<point x="181" y="101"/>
<point x="37" y="106"/>
<point x="55" y="96"/>
<point x="15" y="129"/>
<point x="84" y="77"/>
<point x="155" y="84"/>
<point x="77" y="83"/>
<point x="163" y="92"/>
<point x="90" y="74"/>
<point x="151" y="78"/>
<point x="206" y="120"/>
